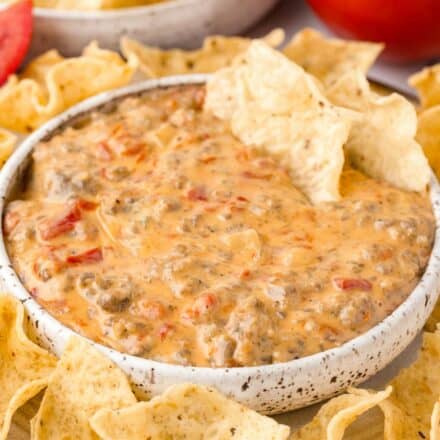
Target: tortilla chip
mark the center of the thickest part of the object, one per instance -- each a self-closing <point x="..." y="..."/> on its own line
<point x="435" y="423"/>
<point x="83" y="382"/>
<point x="329" y="58"/>
<point x="217" y="52"/>
<point x="417" y="389"/>
<point x="187" y="411"/>
<point x="382" y="142"/>
<point x="274" y="105"/>
<point x="434" y="319"/>
<point x="427" y="83"/>
<point x="7" y="144"/>
<point x="411" y="411"/>
<point x="24" y="367"/>
<point x="428" y="135"/>
<point x="335" y="416"/>
<point x="51" y="84"/>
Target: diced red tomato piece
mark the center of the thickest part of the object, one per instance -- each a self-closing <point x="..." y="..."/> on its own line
<point x="244" y="274"/>
<point x="10" y="221"/>
<point x="197" y="193"/>
<point x="88" y="257"/>
<point x="15" y="36"/>
<point x="132" y="149"/>
<point x="242" y="199"/>
<point x="202" y="305"/>
<point x="352" y="284"/>
<point x="86" y="205"/>
<point x="53" y="228"/>
<point x="61" y="225"/>
<point x="164" y="330"/>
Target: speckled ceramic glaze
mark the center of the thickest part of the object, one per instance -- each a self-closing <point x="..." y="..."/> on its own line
<point x="271" y="388"/>
<point x="178" y="23"/>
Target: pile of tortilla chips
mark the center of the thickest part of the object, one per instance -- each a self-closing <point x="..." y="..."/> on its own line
<point x="50" y="84"/>
<point x="88" y="397"/>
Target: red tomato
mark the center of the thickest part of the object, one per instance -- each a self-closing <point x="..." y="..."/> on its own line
<point x="409" y="28"/>
<point x="15" y="36"/>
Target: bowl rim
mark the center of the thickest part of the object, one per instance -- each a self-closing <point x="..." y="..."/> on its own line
<point x="425" y="292"/>
<point x="110" y="14"/>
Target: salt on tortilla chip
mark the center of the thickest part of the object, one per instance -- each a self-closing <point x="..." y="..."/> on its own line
<point x="83" y="382"/>
<point x="7" y="144"/>
<point x="272" y="104"/>
<point x="24" y="367"/>
<point x="427" y="83"/>
<point x="329" y="58"/>
<point x="51" y="84"/>
<point x="217" y="52"/>
<point x="187" y="411"/>
<point x="335" y="416"/>
<point x="382" y="142"/>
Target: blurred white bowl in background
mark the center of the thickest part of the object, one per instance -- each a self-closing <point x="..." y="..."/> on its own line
<point x="175" y="23"/>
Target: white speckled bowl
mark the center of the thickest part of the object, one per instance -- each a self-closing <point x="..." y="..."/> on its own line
<point x="178" y="23"/>
<point x="271" y="388"/>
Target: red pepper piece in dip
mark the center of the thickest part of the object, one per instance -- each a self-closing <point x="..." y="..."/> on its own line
<point x="86" y="205"/>
<point x="55" y="227"/>
<point x="87" y="257"/>
<point x="352" y="284"/>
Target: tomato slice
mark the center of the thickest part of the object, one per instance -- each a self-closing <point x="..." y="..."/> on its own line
<point x="91" y="256"/>
<point x="15" y="36"/>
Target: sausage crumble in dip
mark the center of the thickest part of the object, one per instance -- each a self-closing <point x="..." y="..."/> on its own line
<point x="151" y="229"/>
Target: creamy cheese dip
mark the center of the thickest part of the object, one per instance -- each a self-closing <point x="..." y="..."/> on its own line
<point x="151" y="229"/>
